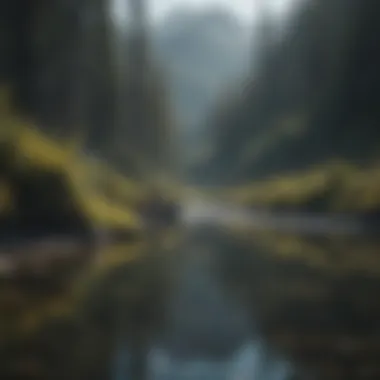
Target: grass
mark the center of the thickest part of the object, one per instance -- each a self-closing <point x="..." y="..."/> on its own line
<point x="102" y="195"/>
<point x="102" y="207"/>
<point x="334" y="186"/>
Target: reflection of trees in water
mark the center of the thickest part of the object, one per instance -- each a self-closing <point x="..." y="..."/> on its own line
<point x="127" y="306"/>
<point x="201" y="320"/>
<point x="315" y="315"/>
<point x="206" y="326"/>
<point x="325" y="317"/>
<point x="75" y="336"/>
<point x="254" y="361"/>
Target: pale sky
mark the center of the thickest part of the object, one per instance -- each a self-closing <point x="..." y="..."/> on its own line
<point x="246" y="10"/>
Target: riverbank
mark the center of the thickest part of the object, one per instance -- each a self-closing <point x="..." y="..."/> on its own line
<point x="336" y="187"/>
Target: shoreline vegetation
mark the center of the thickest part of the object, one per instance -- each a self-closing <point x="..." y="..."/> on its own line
<point x="337" y="187"/>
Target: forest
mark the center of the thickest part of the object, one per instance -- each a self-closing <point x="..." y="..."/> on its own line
<point x="88" y="130"/>
<point x="302" y="130"/>
<point x="78" y="154"/>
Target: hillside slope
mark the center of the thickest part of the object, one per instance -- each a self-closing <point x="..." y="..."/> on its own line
<point x="312" y="102"/>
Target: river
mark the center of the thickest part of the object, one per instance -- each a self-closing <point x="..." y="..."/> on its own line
<point x="255" y="304"/>
<point x="207" y="333"/>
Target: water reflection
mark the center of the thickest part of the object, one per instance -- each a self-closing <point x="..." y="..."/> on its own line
<point x="208" y="333"/>
<point x="274" y="306"/>
<point x="251" y="362"/>
<point x="220" y="304"/>
<point x="313" y="298"/>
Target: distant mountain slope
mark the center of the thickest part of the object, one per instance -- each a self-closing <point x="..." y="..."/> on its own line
<point x="314" y="100"/>
<point x="202" y="51"/>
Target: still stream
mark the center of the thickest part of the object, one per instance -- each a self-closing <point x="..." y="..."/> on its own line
<point x="208" y="334"/>
<point x="230" y="294"/>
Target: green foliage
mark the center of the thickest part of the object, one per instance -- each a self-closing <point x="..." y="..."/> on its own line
<point x="331" y="188"/>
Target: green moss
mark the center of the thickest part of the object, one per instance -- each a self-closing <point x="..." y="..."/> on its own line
<point x="334" y="186"/>
<point x="107" y="201"/>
